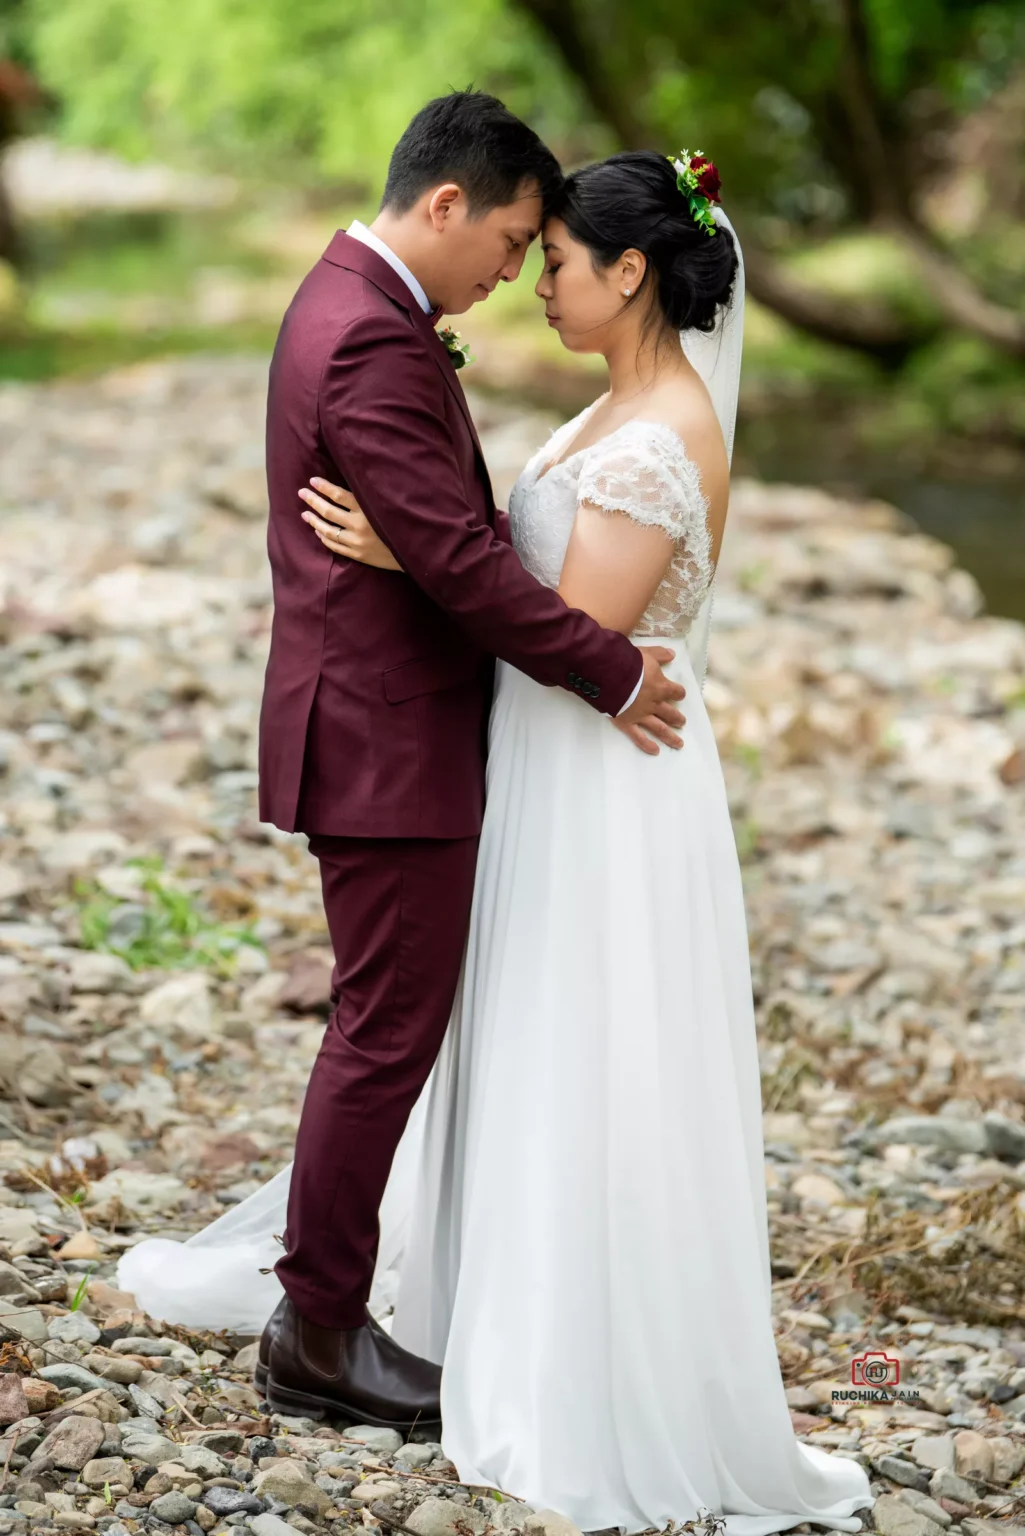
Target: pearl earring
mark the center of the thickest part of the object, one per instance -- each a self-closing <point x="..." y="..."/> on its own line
<point x="627" y="292"/>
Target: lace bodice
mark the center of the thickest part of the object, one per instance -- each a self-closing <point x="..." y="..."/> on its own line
<point x="640" y="469"/>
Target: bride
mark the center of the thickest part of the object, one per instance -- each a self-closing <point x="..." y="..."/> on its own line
<point x="575" y="1226"/>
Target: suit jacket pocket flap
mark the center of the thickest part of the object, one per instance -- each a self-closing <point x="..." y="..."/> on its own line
<point x="430" y="675"/>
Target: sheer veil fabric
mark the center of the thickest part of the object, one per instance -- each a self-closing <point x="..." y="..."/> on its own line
<point x="716" y="355"/>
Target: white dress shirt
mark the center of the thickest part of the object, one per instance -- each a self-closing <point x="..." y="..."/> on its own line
<point x="366" y="236"/>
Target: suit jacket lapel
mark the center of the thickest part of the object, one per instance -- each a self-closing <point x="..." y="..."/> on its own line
<point x="357" y="257"/>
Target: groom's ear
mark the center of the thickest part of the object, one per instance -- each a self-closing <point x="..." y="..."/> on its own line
<point x="443" y="204"/>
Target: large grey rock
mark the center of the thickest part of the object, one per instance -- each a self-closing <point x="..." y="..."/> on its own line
<point x="231" y="1501"/>
<point x="152" y="1449"/>
<point x="1004" y="1138"/>
<point x="137" y="1344"/>
<point x="894" y="1516"/>
<point x="27" y="1322"/>
<point x="107" y="1469"/>
<point x="946" y="1484"/>
<point x="174" y="1507"/>
<point x="949" y="1135"/>
<point x="223" y="1442"/>
<point x="511" y="1515"/>
<point x="143" y="1425"/>
<point x="270" y="1525"/>
<point x="378" y="1486"/>
<point x="16" y="1286"/>
<point x="413" y="1455"/>
<point x="136" y="1192"/>
<point x="289" y="1483"/>
<point x="442" y="1517"/>
<point x="201" y="1459"/>
<point x="149" y="1406"/>
<point x="72" y="1443"/>
<point x="384" y="1441"/>
<point x="934" y="1451"/>
<point x="110" y="1368"/>
<point x="927" y="1506"/>
<point x="899" y="1470"/>
<point x="73" y="1328"/>
<point x="1008" y="1458"/>
<point x="64" y="1375"/>
<point x="547" y="1522"/>
<point x="337" y="1462"/>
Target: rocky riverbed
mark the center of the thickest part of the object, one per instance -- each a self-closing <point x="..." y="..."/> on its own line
<point x="164" y="973"/>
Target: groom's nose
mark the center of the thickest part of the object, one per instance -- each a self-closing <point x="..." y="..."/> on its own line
<point x="511" y="271"/>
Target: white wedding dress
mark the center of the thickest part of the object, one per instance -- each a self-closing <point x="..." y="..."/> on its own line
<point x="576" y="1224"/>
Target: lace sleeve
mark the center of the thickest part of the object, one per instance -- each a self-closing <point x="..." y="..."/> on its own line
<point x="644" y="473"/>
<point x="648" y="476"/>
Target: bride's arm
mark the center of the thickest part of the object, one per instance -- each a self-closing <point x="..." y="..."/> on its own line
<point x="613" y="566"/>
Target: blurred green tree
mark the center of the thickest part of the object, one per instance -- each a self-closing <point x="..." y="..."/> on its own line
<point x="318" y="90"/>
<point x="833" y="113"/>
<point x="825" y="116"/>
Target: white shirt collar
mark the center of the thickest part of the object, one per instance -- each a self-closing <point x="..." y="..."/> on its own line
<point x="366" y="236"/>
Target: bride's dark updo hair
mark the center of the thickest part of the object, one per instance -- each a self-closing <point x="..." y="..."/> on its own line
<point x="631" y="201"/>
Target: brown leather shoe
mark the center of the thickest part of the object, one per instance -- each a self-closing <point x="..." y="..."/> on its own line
<point x="263" y="1353"/>
<point x="358" y="1374"/>
<point x="262" y="1368"/>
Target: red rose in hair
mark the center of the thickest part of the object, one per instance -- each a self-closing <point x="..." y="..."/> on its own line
<point x="709" y="182"/>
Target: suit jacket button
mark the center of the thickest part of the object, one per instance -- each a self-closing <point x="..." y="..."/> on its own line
<point x="571" y="678"/>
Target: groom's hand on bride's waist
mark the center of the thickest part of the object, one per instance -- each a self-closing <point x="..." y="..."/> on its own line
<point x="653" y="713"/>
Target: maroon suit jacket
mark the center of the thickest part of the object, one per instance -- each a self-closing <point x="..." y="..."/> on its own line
<point x="378" y="684"/>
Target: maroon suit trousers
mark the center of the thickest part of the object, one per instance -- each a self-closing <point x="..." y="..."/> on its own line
<point x="398" y="911"/>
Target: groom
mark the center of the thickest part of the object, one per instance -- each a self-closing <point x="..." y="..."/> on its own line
<point x="374" y="719"/>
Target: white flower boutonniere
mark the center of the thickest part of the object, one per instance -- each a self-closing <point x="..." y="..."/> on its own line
<point x="457" y="349"/>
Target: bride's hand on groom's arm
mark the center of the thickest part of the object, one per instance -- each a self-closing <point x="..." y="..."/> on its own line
<point x="341" y="525"/>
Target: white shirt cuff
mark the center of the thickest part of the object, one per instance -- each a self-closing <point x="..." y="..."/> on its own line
<point x="633" y="696"/>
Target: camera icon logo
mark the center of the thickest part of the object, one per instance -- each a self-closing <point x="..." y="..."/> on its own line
<point x="875" y="1369"/>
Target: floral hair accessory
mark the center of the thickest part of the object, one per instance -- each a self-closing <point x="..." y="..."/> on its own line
<point x="698" y="180"/>
<point x="457" y="349"/>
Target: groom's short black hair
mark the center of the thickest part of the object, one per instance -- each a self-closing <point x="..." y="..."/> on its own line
<point x="473" y="139"/>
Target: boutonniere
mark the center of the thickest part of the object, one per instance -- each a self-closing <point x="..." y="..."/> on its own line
<point x="457" y="350"/>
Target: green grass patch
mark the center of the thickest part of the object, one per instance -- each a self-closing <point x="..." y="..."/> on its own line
<point x="165" y="927"/>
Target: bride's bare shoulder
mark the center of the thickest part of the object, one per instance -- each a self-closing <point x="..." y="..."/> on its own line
<point x="685" y="406"/>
